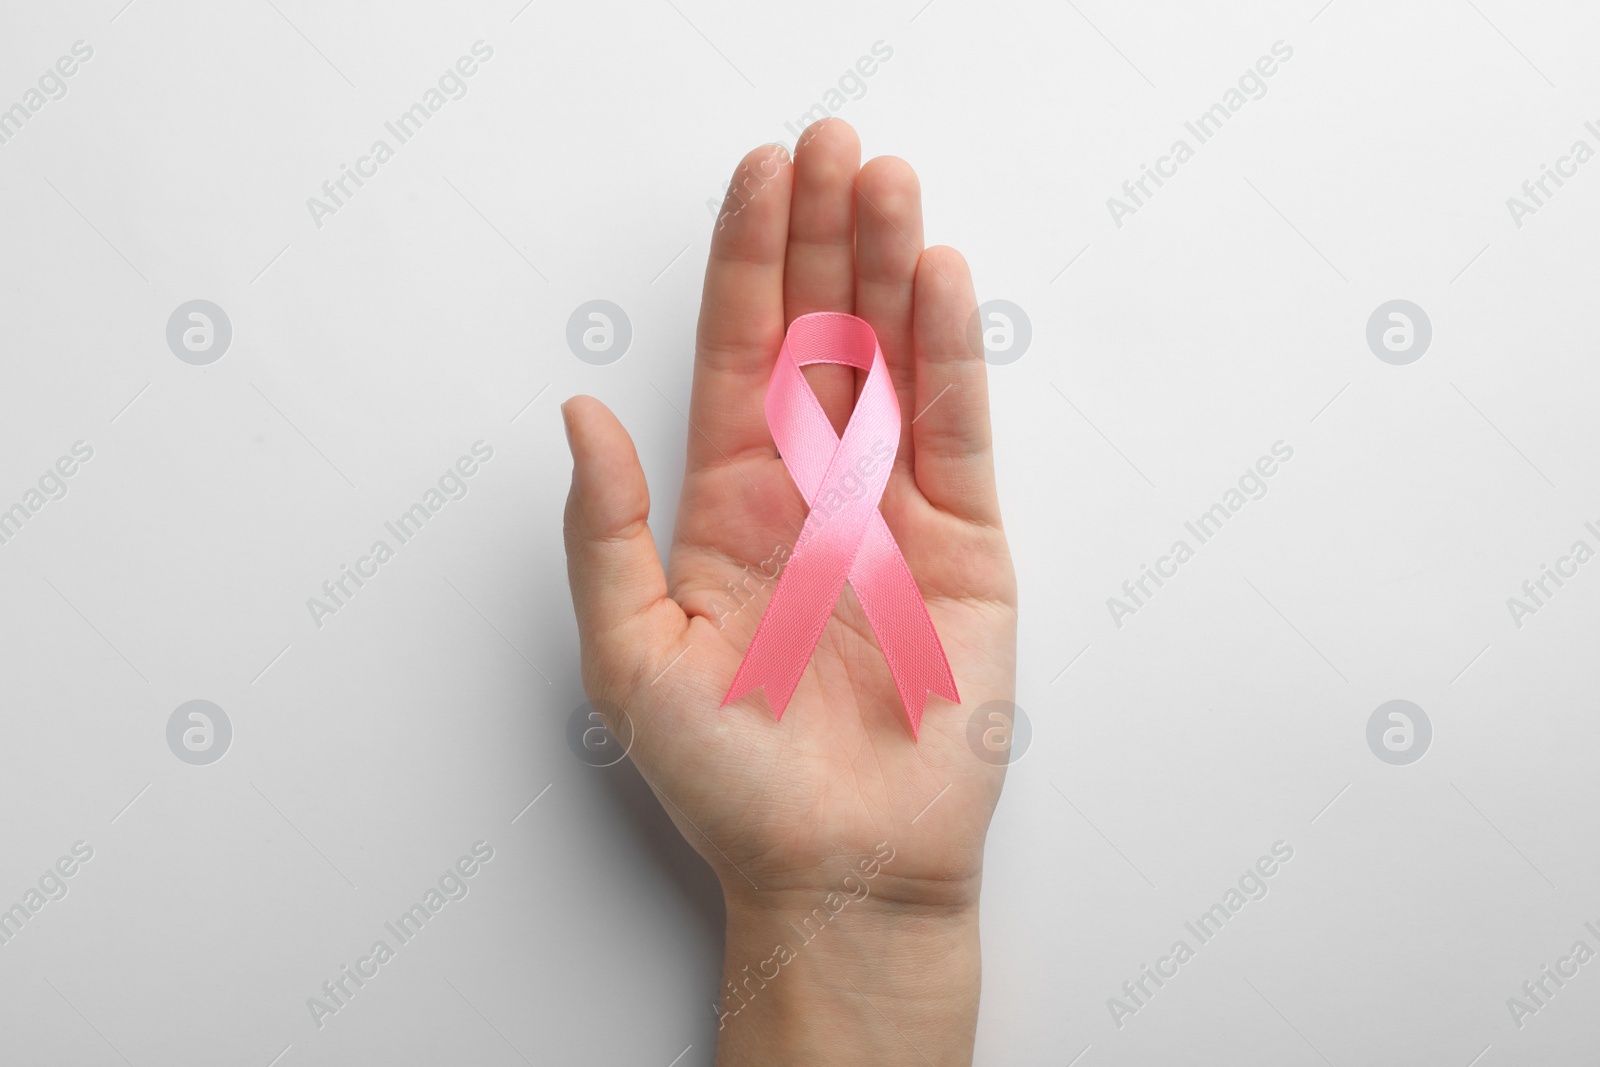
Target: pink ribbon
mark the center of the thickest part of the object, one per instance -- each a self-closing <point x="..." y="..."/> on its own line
<point x="844" y="536"/>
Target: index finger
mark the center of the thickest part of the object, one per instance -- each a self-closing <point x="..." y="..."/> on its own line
<point x="741" y="311"/>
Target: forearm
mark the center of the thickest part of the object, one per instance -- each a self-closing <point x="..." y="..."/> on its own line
<point x="820" y="979"/>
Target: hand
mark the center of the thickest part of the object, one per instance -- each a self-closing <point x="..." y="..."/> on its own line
<point x="782" y="811"/>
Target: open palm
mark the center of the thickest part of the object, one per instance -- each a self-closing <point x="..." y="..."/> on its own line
<point x="786" y="805"/>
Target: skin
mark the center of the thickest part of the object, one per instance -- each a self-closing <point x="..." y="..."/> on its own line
<point x="788" y="812"/>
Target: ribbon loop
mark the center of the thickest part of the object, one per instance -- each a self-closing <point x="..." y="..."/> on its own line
<point x="844" y="537"/>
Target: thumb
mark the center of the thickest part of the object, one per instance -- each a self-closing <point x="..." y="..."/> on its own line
<point x="612" y="566"/>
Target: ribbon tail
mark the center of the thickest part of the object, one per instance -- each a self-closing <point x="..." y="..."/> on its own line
<point x="790" y="627"/>
<point x="899" y="617"/>
<point x="767" y="672"/>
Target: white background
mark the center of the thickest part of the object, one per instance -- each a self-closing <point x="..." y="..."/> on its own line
<point x="1167" y="354"/>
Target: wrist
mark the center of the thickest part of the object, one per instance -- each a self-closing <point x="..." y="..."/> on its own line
<point x="883" y="881"/>
<point x="870" y="970"/>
